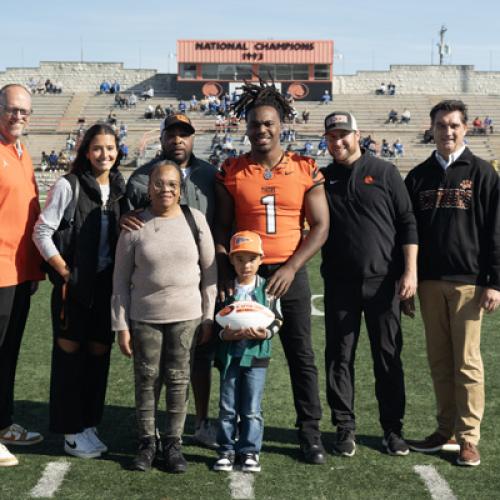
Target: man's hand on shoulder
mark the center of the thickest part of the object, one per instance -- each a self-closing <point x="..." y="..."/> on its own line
<point x="490" y="300"/>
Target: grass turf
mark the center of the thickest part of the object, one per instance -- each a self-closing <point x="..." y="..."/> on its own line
<point x="370" y="473"/>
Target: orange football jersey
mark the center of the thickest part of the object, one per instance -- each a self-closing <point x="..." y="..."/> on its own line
<point x="272" y="207"/>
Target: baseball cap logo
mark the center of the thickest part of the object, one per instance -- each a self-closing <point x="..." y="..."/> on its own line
<point x="240" y="240"/>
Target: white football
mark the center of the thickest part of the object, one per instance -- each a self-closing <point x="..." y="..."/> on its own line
<point x="245" y="314"/>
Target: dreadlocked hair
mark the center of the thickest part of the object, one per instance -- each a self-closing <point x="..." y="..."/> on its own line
<point x="262" y="94"/>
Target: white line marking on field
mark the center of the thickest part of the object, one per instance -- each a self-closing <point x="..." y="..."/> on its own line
<point x="241" y="485"/>
<point x="314" y="311"/>
<point x="437" y="486"/>
<point x="51" y="479"/>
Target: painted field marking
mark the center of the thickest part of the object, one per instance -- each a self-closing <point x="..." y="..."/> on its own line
<point x="51" y="479"/>
<point x="241" y="485"/>
<point x="314" y="310"/>
<point x="437" y="486"/>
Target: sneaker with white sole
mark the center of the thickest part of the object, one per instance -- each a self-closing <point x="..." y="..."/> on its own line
<point x="395" y="445"/>
<point x="206" y="434"/>
<point x="250" y="462"/>
<point x="7" y="459"/>
<point x="18" y="435"/>
<point x="93" y="437"/>
<point x="79" y="446"/>
<point x="225" y="462"/>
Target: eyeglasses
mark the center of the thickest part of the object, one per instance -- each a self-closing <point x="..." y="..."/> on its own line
<point x="15" y="111"/>
<point x="159" y="185"/>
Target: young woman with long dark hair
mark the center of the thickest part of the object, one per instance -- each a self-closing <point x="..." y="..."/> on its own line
<point x="80" y="304"/>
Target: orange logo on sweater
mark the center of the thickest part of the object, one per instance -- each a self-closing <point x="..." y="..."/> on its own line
<point x="369" y="179"/>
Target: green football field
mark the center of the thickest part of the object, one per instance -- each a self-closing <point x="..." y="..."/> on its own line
<point x="369" y="474"/>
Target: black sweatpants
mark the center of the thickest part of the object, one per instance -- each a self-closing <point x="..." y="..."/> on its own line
<point x="295" y="336"/>
<point x="344" y="303"/>
<point x="14" y="307"/>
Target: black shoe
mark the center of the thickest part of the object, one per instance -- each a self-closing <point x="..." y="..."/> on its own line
<point x="172" y="454"/>
<point x="395" y="444"/>
<point x="313" y="451"/>
<point x="345" y="443"/>
<point x="145" y="455"/>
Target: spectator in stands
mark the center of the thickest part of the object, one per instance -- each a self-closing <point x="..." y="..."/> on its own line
<point x="70" y="143"/>
<point x="322" y="147"/>
<point x="116" y="87"/>
<point x="44" y="162"/>
<point x="326" y="98"/>
<point x="385" y="150"/>
<point x="308" y="147"/>
<point x="49" y="87"/>
<point x="392" y="117"/>
<point x="405" y="116"/>
<point x="123" y="131"/>
<point x="111" y="119"/>
<point x="169" y="110"/>
<point x="32" y="85"/>
<point x="57" y="88"/>
<point x="381" y="90"/>
<point x="105" y="87"/>
<point x="193" y="104"/>
<point x="305" y="116"/>
<point x="391" y="89"/>
<point x="149" y="93"/>
<point x="204" y="104"/>
<point x="40" y="86"/>
<point x="398" y="149"/>
<point x="124" y="149"/>
<point x="182" y="106"/>
<point x="53" y="161"/>
<point x="149" y="112"/>
<point x="477" y="126"/>
<point x="220" y="123"/>
<point x="63" y="161"/>
<point x="428" y="136"/>
<point x="159" y="112"/>
<point x="488" y="124"/>
<point x="132" y="100"/>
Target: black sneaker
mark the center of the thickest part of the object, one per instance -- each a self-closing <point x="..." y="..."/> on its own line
<point x="145" y="454"/>
<point x="395" y="444"/>
<point x="225" y="462"/>
<point x="172" y="454"/>
<point x="313" y="451"/>
<point x="250" y="462"/>
<point x="345" y="443"/>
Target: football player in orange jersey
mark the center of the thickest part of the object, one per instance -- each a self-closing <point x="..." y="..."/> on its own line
<point x="272" y="192"/>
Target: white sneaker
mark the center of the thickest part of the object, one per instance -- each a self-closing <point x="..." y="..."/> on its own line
<point x="7" y="459"/>
<point x="93" y="438"/>
<point x="17" y="435"/>
<point x="250" y="462"/>
<point x="79" y="446"/>
<point x="206" y="434"/>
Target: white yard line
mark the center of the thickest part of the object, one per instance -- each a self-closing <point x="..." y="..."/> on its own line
<point x="437" y="486"/>
<point x="241" y="485"/>
<point x="51" y="479"/>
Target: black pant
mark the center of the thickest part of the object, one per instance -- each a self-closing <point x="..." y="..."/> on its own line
<point x="295" y="335"/>
<point x="344" y="302"/>
<point x="78" y="380"/>
<point x="14" y="307"/>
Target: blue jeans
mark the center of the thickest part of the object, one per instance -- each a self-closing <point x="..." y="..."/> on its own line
<point x="241" y="391"/>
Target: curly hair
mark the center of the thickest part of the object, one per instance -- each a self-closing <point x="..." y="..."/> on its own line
<point x="262" y="94"/>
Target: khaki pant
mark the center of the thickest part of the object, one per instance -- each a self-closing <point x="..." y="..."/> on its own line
<point x="452" y="318"/>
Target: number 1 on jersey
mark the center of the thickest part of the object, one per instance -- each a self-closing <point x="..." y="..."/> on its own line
<point x="269" y="202"/>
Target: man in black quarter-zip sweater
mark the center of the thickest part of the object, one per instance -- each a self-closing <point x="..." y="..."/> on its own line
<point x="455" y="196"/>
<point x="368" y="265"/>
